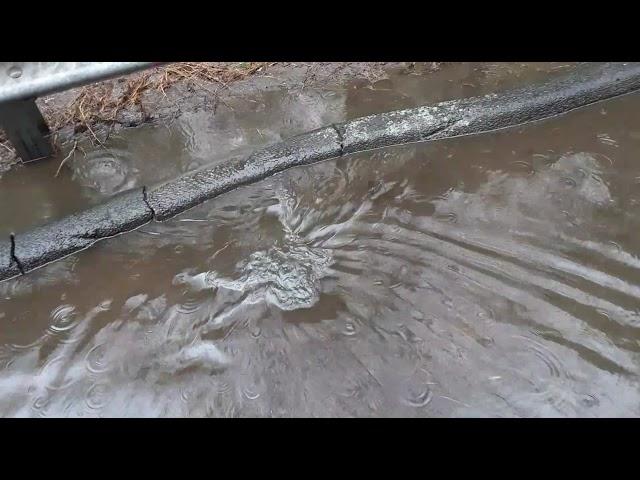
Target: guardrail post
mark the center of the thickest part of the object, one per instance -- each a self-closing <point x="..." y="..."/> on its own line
<point x="26" y="129"/>
<point x="22" y="82"/>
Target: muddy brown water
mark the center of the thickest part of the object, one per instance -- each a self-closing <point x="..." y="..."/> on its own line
<point x="493" y="275"/>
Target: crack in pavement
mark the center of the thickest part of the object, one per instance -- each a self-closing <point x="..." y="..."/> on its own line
<point x="340" y="138"/>
<point x="146" y="201"/>
<point x="12" y="237"/>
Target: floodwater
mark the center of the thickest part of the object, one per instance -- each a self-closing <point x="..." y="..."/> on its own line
<point x="494" y="275"/>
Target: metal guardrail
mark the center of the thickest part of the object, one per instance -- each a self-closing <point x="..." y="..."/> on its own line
<point x="22" y="82"/>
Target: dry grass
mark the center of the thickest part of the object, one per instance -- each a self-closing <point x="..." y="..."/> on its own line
<point x="101" y="103"/>
<point x="194" y="72"/>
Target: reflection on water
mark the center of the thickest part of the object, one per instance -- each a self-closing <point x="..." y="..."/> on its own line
<point x="494" y="275"/>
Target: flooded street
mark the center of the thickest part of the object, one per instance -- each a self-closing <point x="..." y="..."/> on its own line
<point x="491" y="275"/>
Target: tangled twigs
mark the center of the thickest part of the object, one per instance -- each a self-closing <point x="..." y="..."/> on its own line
<point x="103" y="102"/>
<point x="73" y="149"/>
<point x="11" y="150"/>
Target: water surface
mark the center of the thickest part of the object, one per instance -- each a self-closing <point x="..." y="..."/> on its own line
<point x="493" y="275"/>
